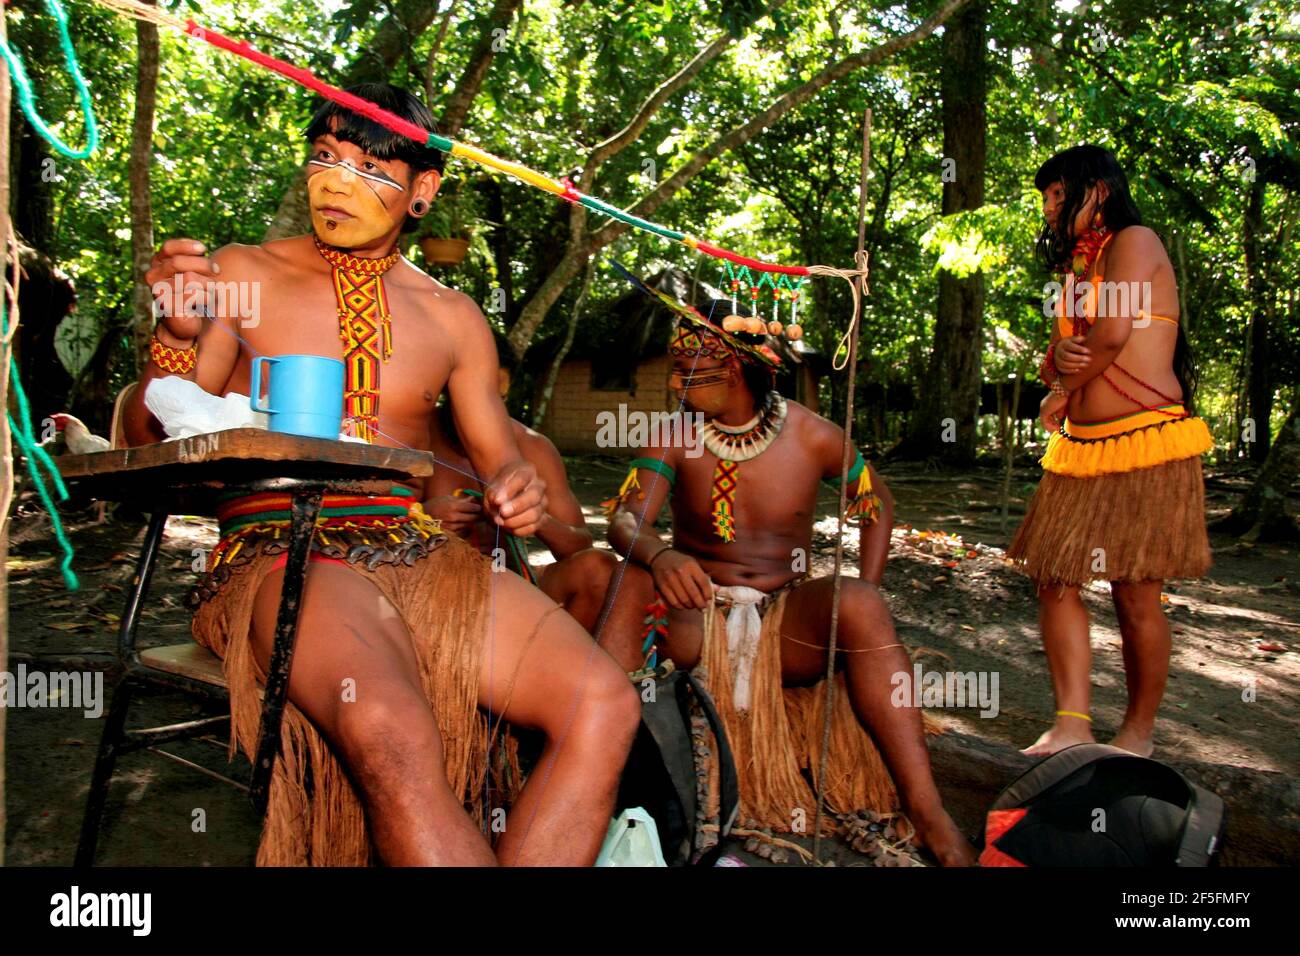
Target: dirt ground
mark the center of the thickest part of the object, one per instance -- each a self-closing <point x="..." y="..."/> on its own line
<point x="1231" y="698"/>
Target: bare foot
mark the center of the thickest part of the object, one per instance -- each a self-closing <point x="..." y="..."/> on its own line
<point x="1066" y="732"/>
<point x="1134" y="741"/>
<point x="942" y="838"/>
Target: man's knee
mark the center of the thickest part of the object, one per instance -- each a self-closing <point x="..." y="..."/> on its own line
<point x="864" y="618"/>
<point x="592" y="569"/>
<point x="384" y="733"/>
<point x="610" y="707"/>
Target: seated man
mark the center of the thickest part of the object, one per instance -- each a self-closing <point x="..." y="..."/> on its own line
<point x="742" y="516"/>
<point x="580" y="574"/>
<point x="400" y="656"/>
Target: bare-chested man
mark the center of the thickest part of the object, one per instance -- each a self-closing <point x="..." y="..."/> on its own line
<point x="742" y="529"/>
<point x="423" y="634"/>
<point x="580" y="574"/>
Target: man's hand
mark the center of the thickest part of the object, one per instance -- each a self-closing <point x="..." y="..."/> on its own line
<point x="681" y="580"/>
<point x="185" y="258"/>
<point x="1051" y="410"/>
<point x="457" y="515"/>
<point x="516" y="498"/>
<point x="1070" y="355"/>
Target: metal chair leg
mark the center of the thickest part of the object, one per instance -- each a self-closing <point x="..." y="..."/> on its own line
<point x="140" y="586"/>
<point x="114" y="726"/>
<point x="305" y="509"/>
<point x="105" y="760"/>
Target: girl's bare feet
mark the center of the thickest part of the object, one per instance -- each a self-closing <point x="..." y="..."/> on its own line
<point x="1066" y="732"/>
<point x="1135" y="741"/>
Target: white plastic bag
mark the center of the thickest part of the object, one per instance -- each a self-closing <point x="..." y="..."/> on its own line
<point x="631" y="840"/>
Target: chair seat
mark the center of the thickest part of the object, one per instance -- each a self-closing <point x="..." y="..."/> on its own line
<point x="188" y="660"/>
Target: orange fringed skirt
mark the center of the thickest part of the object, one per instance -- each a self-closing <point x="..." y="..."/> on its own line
<point x="439" y="586"/>
<point x="1119" y="501"/>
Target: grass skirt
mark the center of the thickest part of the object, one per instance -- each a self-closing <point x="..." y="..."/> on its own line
<point x="779" y="738"/>
<point x="315" y="817"/>
<point x="1142" y="525"/>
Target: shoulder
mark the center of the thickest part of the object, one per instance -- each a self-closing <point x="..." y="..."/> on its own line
<point x="458" y="310"/>
<point x="814" y="431"/>
<point x="278" y="258"/>
<point x="1137" y="240"/>
<point x="534" y="446"/>
<point x="238" y="258"/>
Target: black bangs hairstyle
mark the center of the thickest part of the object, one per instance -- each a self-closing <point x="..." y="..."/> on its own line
<point x="1078" y="169"/>
<point x="376" y="140"/>
<point x="760" y="379"/>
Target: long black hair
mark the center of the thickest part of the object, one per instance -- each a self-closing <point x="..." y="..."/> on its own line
<point x="1078" y="169"/>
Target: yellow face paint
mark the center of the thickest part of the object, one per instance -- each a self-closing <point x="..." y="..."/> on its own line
<point x="346" y="211"/>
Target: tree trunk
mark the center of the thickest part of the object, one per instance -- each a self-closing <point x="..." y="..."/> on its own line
<point x="1262" y="514"/>
<point x="293" y="217"/>
<point x="146" y="97"/>
<point x="406" y="22"/>
<point x="1259" y="378"/>
<point x="944" y="426"/>
<point x="490" y="42"/>
<point x="499" y="239"/>
<point x="553" y="373"/>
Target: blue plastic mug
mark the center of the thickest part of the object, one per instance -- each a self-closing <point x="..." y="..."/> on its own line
<point x="304" y="396"/>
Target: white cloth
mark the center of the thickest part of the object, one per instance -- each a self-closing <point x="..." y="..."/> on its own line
<point x="184" y="409"/>
<point x="744" y="627"/>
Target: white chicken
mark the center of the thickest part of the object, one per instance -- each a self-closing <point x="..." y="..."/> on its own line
<point x="76" y="436"/>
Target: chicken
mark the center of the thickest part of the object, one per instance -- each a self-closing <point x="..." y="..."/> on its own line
<point x="77" y="437"/>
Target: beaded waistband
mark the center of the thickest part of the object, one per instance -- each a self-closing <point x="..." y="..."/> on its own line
<point x="360" y="529"/>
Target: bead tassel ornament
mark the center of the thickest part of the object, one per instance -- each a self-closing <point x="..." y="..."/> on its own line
<point x="365" y="328"/>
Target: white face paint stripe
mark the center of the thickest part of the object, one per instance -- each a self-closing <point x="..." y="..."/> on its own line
<point x="381" y="179"/>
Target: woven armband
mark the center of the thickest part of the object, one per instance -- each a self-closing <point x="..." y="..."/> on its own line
<point x="631" y="485"/>
<point x="863" y="503"/>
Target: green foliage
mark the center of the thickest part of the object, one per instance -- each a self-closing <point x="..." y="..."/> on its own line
<point x="1196" y="99"/>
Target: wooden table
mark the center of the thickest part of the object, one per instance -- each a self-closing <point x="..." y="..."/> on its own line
<point x="186" y="476"/>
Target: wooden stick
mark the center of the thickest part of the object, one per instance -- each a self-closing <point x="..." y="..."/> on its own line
<point x="845" y="463"/>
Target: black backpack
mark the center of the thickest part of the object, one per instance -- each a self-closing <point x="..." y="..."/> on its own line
<point x="1096" y="805"/>
<point x="660" y="775"/>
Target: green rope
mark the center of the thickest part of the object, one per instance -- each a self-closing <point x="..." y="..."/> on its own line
<point x="27" y="100"/>
<point x="37" y="456"/>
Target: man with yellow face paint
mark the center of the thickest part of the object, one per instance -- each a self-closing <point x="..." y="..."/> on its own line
<point x="430" y="641"/>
